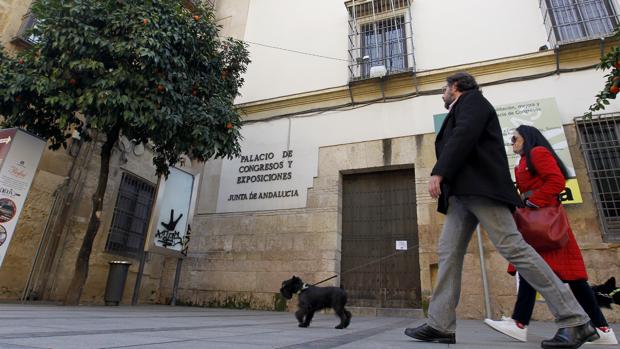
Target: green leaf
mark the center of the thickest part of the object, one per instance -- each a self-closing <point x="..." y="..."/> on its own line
<point x="118" y="63"/>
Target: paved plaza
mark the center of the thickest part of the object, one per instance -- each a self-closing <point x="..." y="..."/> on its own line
<point x="163" y="327"/>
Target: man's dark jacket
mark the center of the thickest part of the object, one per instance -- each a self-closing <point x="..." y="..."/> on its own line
<point x="470" y="152"/>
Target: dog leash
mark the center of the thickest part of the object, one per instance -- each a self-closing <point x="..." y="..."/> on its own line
<point x="360" y="266"/>
<point x="609" y="295"/>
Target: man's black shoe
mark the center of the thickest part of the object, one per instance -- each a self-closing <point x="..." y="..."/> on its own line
<point x="428" y="334"/>
<point x="571" y="337"/>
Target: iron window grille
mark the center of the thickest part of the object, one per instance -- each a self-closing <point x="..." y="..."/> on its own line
<point x="380" y="36"/>
<point x="599" y="138"/>
<point x="192" y="4"/>
<point x="569" y="21"/>
<point x="131" y="216"/>
<point x="23" y="34"/>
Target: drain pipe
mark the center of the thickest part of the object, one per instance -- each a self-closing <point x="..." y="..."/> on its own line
<point x="483" y="271"/>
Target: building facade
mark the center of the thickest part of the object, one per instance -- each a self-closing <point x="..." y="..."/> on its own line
<point x="341" y="104"/>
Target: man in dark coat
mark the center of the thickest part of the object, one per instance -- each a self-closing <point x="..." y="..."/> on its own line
<point x="472" y="181"/>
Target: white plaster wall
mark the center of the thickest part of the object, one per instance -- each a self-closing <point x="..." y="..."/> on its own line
<point x="232" y="16"/>
<point x="446" y="33"/>
<point x="454" y="32"/>
<point x="314" y="26"/>
<point x="573" y="92"/>
<point x="307" y="134"/>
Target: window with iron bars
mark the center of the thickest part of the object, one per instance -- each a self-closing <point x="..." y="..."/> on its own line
<point x="383" y="42"/>
<point x="576" y="20"/>
<point x="599" y="138"/>
<point x="23" y="36"/>
<point x="131" y="216"/>
<point x="380" y="37"/>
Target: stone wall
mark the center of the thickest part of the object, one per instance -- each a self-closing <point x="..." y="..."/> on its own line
<point x="240" y="259"/>
<point x="11" y="16"/>
<point x="55" y="170"/>
<point x="74" y="231"/>
<point x="28" y="233"/>
<point x="244" y="257"/>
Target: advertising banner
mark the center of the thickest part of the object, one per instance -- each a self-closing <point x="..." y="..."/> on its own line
<point x="20" y="153"/>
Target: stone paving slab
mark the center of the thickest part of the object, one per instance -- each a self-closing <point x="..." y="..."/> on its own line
<point x="158" y="327"/>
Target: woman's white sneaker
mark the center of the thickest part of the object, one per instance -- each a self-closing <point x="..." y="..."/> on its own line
<point x="508" y="327"/>
<point x="607" y="337"/>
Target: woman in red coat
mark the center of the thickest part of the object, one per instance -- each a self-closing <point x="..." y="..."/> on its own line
<point x="541" y="177"/>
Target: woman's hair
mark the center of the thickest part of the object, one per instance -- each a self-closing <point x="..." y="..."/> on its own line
<point x="532" y="137"/>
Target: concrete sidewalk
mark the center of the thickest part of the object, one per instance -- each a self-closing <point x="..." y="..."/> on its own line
<point x="47" y="326"/>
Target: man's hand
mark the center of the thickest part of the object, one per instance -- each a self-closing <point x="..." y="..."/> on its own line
<point x="434" y="188"/>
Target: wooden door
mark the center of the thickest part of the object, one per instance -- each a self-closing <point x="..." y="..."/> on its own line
<point x="379" y="209"/>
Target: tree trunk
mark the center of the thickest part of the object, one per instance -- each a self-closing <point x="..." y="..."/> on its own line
<point x="81" y="264"/>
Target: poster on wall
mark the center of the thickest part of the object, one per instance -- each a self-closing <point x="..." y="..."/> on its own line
<point x="545" y="116"/>
<point x="170" y="226"/>
<point x="20" y="153"/>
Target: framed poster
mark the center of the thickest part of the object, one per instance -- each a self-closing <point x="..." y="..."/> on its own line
<point x="170" y="224"/>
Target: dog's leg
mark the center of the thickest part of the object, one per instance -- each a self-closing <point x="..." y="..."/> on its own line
<point x="345" y="317"/>
<point x="347" y="321"/>
<point x="299" y="314"/>
<point x="309" y="316"/>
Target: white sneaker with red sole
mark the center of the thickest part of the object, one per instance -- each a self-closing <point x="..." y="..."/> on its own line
<point x="607" y="336"/>
<point x="508" y="327"/>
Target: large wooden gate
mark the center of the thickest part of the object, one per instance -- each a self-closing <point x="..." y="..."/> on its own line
<point x="379" y="208"/>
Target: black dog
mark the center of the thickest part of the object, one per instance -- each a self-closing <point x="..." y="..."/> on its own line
<point x="607" y="293"/>
<point x="314" y="298"/>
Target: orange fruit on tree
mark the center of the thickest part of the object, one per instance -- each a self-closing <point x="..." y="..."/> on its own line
<point x="229" y="125"/>
<point x="145" y="21"/>
<point x="196" y="18"/>
<point x="614" y="89"/>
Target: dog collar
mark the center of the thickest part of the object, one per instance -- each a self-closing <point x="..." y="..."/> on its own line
<point x="303" y="288"/>
<point x="611" y="294"/>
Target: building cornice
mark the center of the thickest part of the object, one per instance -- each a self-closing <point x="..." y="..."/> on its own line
<point x="574" y="56"/>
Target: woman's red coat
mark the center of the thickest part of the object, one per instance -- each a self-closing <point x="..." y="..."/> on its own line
<point x="567" y="261"/>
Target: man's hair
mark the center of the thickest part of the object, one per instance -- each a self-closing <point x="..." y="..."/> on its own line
<point x="463" y="81"/>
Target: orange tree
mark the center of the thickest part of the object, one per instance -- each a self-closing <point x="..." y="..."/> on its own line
<point x="153" y="71"/>
<point x="611" y="62"/>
